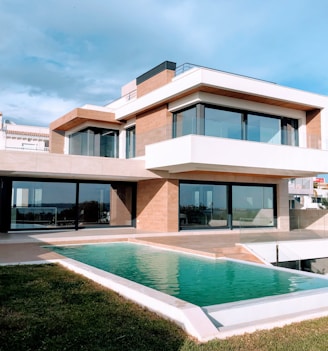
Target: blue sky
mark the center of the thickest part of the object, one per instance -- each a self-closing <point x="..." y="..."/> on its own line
<point x="56" y="55"/>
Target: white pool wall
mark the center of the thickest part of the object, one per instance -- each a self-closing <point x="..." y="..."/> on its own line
<point x="292" y="250"/>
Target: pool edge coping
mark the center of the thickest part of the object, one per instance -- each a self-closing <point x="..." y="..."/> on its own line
<point x="189" y="316"/>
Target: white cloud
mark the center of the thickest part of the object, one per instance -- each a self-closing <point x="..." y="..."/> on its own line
<point x="34" y="110"/>
<point x="57" y="54"/>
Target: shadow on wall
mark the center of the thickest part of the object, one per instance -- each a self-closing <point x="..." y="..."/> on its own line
<point x="313" y="219"/>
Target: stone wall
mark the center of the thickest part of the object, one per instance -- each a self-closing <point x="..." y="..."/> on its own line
<point x="311" y="219"/>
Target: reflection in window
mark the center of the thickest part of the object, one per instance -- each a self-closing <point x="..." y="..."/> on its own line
<point x="207" y="205"/>
<point x="185" y="122"/>
<point x="51" y="204"/>
<point x="290" y="132"/>
<point x="203" y="205"/>
<point x="42" y="204"/>
<point x="266" y="130"/>
<point x="94" y="142"/>
<point x="94" y="206"/>
<point x="223" y="124"/>
<point x="131" y="142"/>
<point x="252" y="206"/>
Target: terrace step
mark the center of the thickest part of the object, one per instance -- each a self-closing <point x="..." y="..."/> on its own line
<point x="236" y="252"/>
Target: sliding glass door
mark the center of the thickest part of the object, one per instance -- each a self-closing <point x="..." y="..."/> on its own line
<point x="252" y="206"/>
<point x="55" y="204"/>
<point x="206" y="205"/>
<point x="39" y="205"/>
<point x="203" y="205"/>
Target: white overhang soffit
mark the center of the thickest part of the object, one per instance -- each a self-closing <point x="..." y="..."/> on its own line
<point x="200" y="153"/>
<point x="216" y="79"/>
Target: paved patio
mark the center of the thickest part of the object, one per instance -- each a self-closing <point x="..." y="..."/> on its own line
<point x="20" y="247"/>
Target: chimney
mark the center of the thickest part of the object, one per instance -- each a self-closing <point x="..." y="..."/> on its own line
<point x="155" y="78"/>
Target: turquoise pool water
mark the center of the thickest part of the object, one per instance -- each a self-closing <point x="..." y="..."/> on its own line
<point x="198" y="280"/>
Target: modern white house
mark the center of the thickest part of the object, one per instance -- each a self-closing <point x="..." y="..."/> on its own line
<point x="183" y="148"/>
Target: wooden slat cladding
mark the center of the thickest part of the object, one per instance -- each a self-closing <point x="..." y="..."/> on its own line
<point x="80" y="115"/>
<point x="155" y="82"/>
<point x="313" y="129"/>
<point x="152" y="127"/>
<point x="248" y="97"/>
<point x="56" y="144"/>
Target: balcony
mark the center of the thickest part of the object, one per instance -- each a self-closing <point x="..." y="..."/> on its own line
<point x="202" y="153"/>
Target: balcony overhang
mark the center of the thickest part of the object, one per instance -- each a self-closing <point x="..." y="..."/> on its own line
<point x="79" y="116"/>
<point x="224" y="84"/>
<point x="59" y="166"/>
<point x="201" y="153"/>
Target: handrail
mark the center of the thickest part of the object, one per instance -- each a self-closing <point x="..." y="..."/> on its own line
<point x="187" y="66"/>
<point x="184" y="67"/>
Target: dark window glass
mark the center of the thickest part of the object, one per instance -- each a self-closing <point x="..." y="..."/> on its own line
<point x="94" y="142"/>
<point x="94" y="206"/>
<point x="131" y="142"/>
<point x="42" y="205"/>
<point x="233" y="124"/>
<point x="203" y="205"/>
<point x="290" y="132"/>
<point x="50" y="204"/>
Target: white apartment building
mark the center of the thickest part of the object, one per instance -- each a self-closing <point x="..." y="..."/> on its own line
<point x="22" y="137"/>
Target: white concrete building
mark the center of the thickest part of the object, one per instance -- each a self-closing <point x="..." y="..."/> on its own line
<point x="22" y="137"/>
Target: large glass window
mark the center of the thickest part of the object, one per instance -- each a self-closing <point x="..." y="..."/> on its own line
<point x="185" y="122"/>
<point x="94" y="142"/>
<point x="290" y="132"/>
<point x="42" y="204"/>
<point x="131" y="142"/>
<point x="206" y="205"/>
<point x="252" y="206"/>
<point x="51" y="204"/>
<point x="223" y="124"/>
<point x="94" y="206"/>
<point x="203" y="205"/>
<point x="220" y="122"/>
<point x="266" y="130"/>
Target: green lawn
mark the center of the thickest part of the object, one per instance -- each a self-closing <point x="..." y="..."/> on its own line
<point x="46" y="307"/>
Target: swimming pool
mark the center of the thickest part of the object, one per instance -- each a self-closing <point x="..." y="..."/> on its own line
<point x="200" y="281"/>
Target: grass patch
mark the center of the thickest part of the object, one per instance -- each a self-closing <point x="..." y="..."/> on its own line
<point x="46" y="307"/>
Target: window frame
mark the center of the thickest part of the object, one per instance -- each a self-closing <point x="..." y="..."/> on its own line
<point x="287" y="137"/>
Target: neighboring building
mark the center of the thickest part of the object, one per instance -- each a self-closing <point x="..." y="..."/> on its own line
<point x="183" y="148"/>
<point x="301" y="193"/>
<point x="306" y="193"/>
<point x="21" y="137"/>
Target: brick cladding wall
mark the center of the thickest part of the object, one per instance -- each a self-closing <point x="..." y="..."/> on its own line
<point x="313" y="129"/>
<point x="155" y="82"/>
<point x="152" y="127"/>
<point x="157" y="205"/>
<point x="56" y="143"/>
